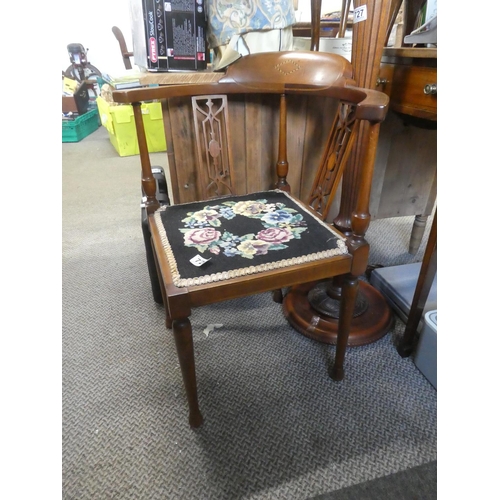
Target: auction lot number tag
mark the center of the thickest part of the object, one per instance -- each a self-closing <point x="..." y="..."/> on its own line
<point x="359" y="14"/>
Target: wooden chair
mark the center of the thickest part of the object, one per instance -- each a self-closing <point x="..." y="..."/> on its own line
<point x="126" y="54"/>
<point x="233" y="244"/>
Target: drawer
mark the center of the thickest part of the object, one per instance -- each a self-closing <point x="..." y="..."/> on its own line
<point x="405" y="86"/>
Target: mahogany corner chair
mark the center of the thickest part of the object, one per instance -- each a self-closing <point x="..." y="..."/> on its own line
<point x="231" y="243"/>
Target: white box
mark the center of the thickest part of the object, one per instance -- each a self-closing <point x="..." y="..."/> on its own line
<point x="340" y="46"/>
<point x="426" y="352"/>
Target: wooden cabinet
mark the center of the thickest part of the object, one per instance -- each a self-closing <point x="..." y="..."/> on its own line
<point x="411" y="81"/>
<point x="405" y="177"/>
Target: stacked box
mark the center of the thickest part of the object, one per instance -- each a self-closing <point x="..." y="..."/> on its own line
<point x="82" y="126"/>
<point x="120" y="124"/>
<point x="169" y="35"/>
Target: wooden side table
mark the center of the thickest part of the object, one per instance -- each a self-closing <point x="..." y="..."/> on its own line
<point x="406" y="167"/>
<point x="422" y="289"/>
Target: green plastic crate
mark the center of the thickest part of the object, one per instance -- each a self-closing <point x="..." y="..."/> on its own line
<point x="75" y="130"/>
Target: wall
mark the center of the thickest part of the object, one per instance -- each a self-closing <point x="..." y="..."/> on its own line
<point x="90" y="24"/>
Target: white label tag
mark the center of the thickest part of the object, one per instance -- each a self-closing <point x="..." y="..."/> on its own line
<point x="198" y="260"/>
<point x="360" y="14"/>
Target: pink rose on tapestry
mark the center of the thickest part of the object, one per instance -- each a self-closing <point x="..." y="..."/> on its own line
<point x="275" y="235"/>
<point x="203" y="236"/>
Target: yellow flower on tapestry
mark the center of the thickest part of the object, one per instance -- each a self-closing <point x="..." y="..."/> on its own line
<point x="249" y="248"/>
<point x="249" y="208"/>
<point x="207" y="215"/>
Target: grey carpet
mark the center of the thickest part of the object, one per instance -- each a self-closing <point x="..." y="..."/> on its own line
<point x="276" y="427"/>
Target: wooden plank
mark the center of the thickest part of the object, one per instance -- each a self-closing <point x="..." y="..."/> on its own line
<point x="296" y="126"/>
<point x="253" y="141"/>
<point x="172" y="170"/>
<point x="183" y="147"/>
<point x="237" y="143"/>
<point x="409" y="178"/>
<point x="320" y="112"/>
<point x="260" y="141"/>
<point x="428" y="53"/>
<point x="169" y="78"/>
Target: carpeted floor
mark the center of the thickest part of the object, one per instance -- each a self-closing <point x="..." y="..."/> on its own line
<point x="276" y="427"/>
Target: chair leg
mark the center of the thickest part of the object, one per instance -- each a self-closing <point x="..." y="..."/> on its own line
<point x="350" y="287"/>
<point x="153" y="273"/>
<point x="185" y="351"/>
<point x="161" y="285"/>
<point x="278" y="296"/>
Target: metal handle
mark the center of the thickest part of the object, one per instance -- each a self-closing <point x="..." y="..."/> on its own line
<point x="431" y="89"/>
<point x="381" y="81"/>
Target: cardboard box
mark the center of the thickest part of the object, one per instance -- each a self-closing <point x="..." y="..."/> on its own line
<point x="120" y="123"/>
<point x="78" y="102"/>
<point x="170" y="35"/>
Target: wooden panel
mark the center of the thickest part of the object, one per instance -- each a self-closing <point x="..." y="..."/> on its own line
<point x="261" y="142"/>
<point x="296" y="125"/>
<point x="409" y="177"/>
<point x="315" y="136"/>
<point x="237" y="144"/>
<point x="173" y="78"/>
<point x="182" y="148"/>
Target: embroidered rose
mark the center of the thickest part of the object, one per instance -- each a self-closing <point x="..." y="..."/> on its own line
<point x="203" y="236"/>
<point x="249" y="248"/>
<point x="275" y="235"/>
<point x="249" y="208"/>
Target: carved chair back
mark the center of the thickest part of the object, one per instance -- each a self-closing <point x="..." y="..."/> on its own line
<point x="278" y="79"/>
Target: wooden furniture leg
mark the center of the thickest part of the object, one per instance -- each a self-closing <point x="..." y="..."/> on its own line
<point x="150" y="259"/>
<point x="315" y="23"/>
<point x="184" y="343"/>
<point x="417" y="233"/>
<point x="422" y="289"/>
<point x="347" y="303"/>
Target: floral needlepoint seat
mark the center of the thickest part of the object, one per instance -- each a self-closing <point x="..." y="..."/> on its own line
<point x="241" y="235"/>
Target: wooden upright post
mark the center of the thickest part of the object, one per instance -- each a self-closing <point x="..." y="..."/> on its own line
<point x="368" y="41"/>
<point x="372" y="316"/>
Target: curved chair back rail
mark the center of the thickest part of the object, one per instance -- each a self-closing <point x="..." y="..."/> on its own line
<point x="321" y="74"/>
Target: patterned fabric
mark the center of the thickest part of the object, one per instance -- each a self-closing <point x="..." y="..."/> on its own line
<point x="280" y="225"/>
<point x="235" y="17"/>
<point x="241" y="235"/>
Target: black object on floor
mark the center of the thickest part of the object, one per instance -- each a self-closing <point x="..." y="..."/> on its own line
<point x="416" y="483"/>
